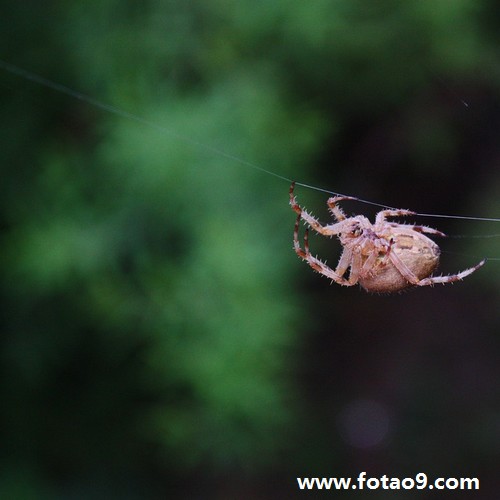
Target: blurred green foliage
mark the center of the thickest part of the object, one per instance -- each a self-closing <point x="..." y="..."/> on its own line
<point x="153" y="326"/>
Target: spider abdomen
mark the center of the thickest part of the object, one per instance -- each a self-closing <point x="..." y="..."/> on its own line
<point x="415" y="251"/>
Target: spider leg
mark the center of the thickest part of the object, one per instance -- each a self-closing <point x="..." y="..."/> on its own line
<point x="409" y="276"/>
<point x="451" y="277"/>
<point x="331" y="230"/>
<point x="336" y="211"/>
<point x="293" y="200"/>
<point x="380" y="248"/>
<point x="296" y="244"/>
<point x="383" y="214"/>
<point x="428" y="230"/>
<point x="420" y="229"/>
<point x="356" y="268"/>
<point x="344" y="262"/>
<point x="320" y="266"/>
<point x="368" y="268"/>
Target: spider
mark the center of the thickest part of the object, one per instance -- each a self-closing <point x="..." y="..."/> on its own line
<point x="383" y="257"/>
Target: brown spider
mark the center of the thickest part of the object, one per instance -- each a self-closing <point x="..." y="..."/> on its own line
<point x="383" y="257"/>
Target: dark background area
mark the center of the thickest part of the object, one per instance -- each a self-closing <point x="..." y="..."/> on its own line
<point x="159" y="337"/>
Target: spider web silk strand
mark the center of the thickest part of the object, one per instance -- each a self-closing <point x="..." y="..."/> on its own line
<point x="40" y="80"/>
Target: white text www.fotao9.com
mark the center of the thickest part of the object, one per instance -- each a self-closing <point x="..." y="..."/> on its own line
<point x="419" y="482"/>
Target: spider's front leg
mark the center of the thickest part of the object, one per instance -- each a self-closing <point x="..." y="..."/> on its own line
<point x="383" y="214"/>
<point x="330" y="230"/>
<point x="293" y="200"/>
<point x="336" y="211"/>
<point x="346" y="260"/>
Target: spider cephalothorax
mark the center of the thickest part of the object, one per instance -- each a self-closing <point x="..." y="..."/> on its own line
<point x="382" y="257"/>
